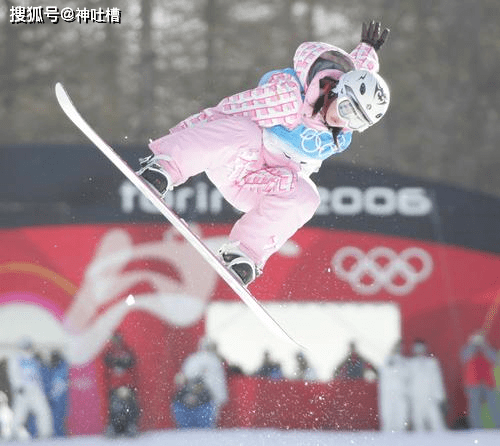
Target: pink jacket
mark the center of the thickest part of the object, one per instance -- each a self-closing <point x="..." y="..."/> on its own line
<point x="261" y="158"/>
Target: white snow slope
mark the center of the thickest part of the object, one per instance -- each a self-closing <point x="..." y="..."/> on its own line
<point x="264" y="437"/>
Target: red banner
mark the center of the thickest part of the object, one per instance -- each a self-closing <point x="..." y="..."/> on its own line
<point x="83" y="276"/>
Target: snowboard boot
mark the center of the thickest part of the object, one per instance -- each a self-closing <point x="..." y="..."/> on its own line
<point x="237" y="262"/>
<point x="154" y="174"/>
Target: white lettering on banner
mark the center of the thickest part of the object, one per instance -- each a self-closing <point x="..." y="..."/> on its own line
<point x="377" y="201"/>
<point x="382" y="268"/>
<point x="346" y="201"/>
<point x="204" y="200"/>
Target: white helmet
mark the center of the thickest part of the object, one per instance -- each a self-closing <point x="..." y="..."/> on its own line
<point x="362" y="98"/>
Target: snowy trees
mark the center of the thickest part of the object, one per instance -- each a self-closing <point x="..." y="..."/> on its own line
<point x="166" y="60"/>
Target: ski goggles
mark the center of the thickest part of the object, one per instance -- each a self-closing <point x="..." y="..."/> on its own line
<point x="349" y="111"/>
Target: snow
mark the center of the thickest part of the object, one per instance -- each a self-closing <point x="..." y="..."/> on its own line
<point x="264" y="437"/>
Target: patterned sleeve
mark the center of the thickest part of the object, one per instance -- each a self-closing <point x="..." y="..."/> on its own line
<point x="365" y="57"/>
<point x="275" y="101"/>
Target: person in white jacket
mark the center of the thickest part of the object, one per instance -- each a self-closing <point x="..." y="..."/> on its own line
<point x="206" y="364"/>
<point x="426" y="390"/>
<point x="27" y="390"/>
<point x="6" y="417"/>
<point x="393" y="392"/>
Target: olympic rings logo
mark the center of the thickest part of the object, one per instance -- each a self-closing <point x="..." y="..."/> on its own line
<point x="313" y="141"/>
<point x="382" y="268"/>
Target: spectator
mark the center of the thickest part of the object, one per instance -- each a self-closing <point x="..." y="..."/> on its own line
<point x="426" y="390"/>
<point x="304" y="371"/>
<point x="4" y="375"/>
<point x="31" y="424"/>
<point x="28" y="392"/>
<point x="193" y="405"/>
<point x="478" y="359"/>
<point x="55" y="380"/>
<point x="123" y="412"/>
<point x="206" y="365"/>
<point x="393" y="392"/>
<point x="354" y="366"/>
<point x="6" y="418"/>
<point x="269" y="368"/>
<point x="122" y="384"/>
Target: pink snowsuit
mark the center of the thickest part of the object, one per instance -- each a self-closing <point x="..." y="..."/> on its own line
<point x="259" y="147"/>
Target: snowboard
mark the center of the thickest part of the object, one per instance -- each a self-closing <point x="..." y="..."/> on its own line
<point x="153" y="196"/>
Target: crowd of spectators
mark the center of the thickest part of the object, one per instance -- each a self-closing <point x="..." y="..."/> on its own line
<point x="34" y="395"/>
<point x="411" y="391"/>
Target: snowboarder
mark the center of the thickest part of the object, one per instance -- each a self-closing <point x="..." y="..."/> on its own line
<point x="260" y="146"/>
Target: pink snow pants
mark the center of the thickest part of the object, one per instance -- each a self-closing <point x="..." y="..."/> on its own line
<point x="275" y="199"/>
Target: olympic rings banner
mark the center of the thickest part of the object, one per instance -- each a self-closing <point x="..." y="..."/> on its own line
<point x="77" y="240"/>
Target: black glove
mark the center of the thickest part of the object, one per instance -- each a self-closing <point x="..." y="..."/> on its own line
<point x="370" y="34"/>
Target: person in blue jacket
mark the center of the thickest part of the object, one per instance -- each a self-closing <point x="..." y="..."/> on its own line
<point x="56" y="384"/>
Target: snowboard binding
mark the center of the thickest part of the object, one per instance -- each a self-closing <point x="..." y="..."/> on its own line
<point x="154" y="174"/>
<point x="239" y="263"/>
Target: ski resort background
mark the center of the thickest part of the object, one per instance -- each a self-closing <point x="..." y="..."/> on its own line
<point x="404" y="245"/>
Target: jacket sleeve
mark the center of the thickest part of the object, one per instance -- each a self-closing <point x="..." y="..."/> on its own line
<point x="365" y="58"/>
<point x="276" y="101"/>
